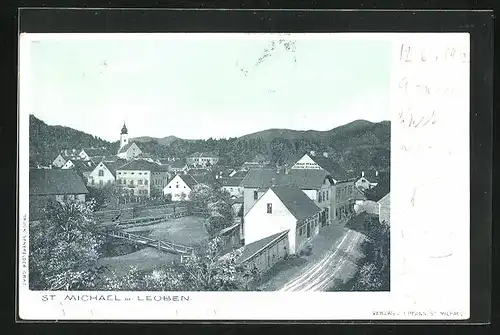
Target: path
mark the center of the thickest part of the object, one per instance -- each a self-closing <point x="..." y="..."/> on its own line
<point x="338" y="262"/>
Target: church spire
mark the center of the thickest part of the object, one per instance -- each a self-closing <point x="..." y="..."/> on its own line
<point x="124" y="129"/>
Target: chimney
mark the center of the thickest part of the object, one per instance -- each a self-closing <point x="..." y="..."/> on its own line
<point x="325" y="154"/>
<point x="362" y="173"/>
<point x="313" y="153"/>
<point x="273" y="182"/>
<point x="376" y="173"/>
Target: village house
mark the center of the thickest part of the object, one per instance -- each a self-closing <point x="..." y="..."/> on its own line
<point x="63" y="157"/>
<point x="83" y="168"/>
<point x="89" y="153"/>
<point x="279" y="209"/>
<point x="368" y="179"/>
<point x="202" y="159"/>
<point x="180" y="187"/>
<point x="178" y="167"/>
<point x="159" y="179"/>
<point x="135" y="177"/>
<point x="232" y="186"/>
<point x="128" y="150"/>
<point x="60" y="185"/>
<point x="315" y="183"/>
<point x="104" y="174"/>
<point x="260" y="161"/>
<point x="378" y="199"/>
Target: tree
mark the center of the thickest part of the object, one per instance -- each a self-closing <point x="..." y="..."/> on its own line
<point x="65" y="247"/>
<point x="215" y="204"/>
<point x="206" y="270"/>
<point x="374" y="273"/>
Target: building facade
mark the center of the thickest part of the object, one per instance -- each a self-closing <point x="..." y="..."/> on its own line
<point x="134" y="178"/>
<point x="180" y="187"/>
<point x="283" y="208"/>
<point x="202" y="159"/>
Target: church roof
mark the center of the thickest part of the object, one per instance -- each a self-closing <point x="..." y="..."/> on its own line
<point x="124" y="129"/>
<point x="126" y="147"/>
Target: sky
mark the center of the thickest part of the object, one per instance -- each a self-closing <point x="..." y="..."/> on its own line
<point x="203" y="87"/>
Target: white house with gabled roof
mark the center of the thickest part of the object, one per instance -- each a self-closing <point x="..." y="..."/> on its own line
<point x="283" y="208"/>
<point x="180" y="187"/>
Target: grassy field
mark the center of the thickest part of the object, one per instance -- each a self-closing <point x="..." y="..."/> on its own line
<point x="187" y="230"/>
<point x="144" y="259"/>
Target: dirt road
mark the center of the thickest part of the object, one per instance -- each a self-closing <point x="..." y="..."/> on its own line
<point x="339" y="262"/>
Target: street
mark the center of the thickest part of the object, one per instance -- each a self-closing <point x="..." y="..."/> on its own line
<point x="338" y="263"/>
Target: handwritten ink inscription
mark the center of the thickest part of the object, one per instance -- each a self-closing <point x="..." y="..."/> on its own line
<point x="412" y="54"/>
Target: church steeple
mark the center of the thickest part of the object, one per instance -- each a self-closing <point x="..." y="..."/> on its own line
<point x="124" y="129"/>
<point x="123" y="136"/>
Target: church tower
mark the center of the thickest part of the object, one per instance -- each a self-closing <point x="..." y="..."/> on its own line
<point x="123" y="136"/>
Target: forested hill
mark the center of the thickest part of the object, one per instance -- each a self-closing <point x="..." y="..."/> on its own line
<point x="47" y="141"/>
<point x="357" y="145"/>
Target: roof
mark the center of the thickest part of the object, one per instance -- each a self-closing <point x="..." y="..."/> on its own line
<point x="230" y="181"/>
<point x="302" y="178"/>
<point x="370" y="174"/>
<point x="55" y="182"/>
<point x="202" y="154"/>
<point x="229" y="229"/>
<point x="113" y="166"/>
<point x="358" y="194"/>
<point x="95" y="152"/>
<point x="82" y="165"/>
<point x="254" y="248"/>
<point x="139" y="165"/>
<point x="297" y="202"/>
<point x="204" y="178"/>
<point x="126" y="147"/>
<point x="332" y="167"/>
<point x="111" y="158"/>
<point x="238" y="200"/>
<point x="97" y="159"/>
<point x="189" y="180"/>
<point x="178" y="164"/>
<point x="383" y="187"/>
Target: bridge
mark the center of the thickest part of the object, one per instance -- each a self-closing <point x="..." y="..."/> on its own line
<point x="184" y="251"/>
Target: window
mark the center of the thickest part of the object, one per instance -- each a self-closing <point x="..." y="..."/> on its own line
<point x="269" y="208"/>
<point x="140" y="173"/>
<point x="131" y="183"/>
<point x="101" y="173"/>
<point x="319" y="196"/>
<point x="139" y="182"/>
<point x="132" y="172"/>
<point x="255" y="195"/>
<point x="327" y="194"/>
<point x="145" y="182"/>
<point x="176" y="185"/>
<point x="92" y="182"/>
<point x="170" y="187"/>
<point x="100" y="182"/>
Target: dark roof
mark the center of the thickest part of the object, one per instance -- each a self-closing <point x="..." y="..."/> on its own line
<point x="302" y="178"/>
<point x="55" y="182"/>
<point x="238" y="200"/>
<point x="189" y="180"/>
<point x="358" y="194"/>
<point x="82" y="165"/>
<point x="240" y="174"/>
<point x="383" y="187"/>
<point x="333" y="168"/>
<point x="231" y="182"/>
<point x="140" y="165"/>
<point x="259" y="178"/>
<point x="253" y="248"/>
<point x="178" y="164"/>
<point x="126" y="147"/>
<point x="204" y="178"/>
<point x="97" y="159"/>
<point x="297" y="202"/>
<point x="95" y="152"/>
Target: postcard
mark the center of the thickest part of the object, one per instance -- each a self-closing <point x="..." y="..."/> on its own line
<point x="242" y="176"/>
